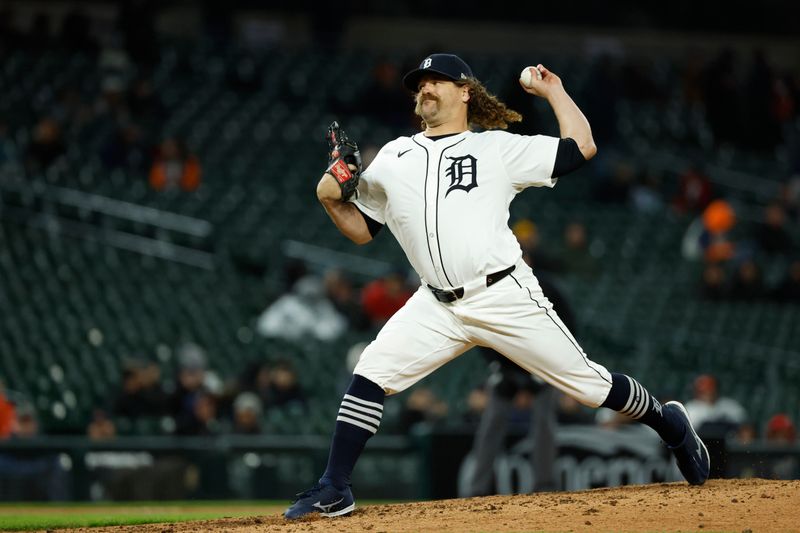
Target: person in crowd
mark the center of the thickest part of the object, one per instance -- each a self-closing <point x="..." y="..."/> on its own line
<point x="714" y="283"/>
<point x="141" y="392"/>
<point x="340" y="291"/>
<point x="382" y="297"/>
<point x="175" y="167"/>
<point x="422" y="405"/>
<point x="247" y="411"/>
<point x="748" y="284"/>
<point x="694" y="191"/>
<point x="575" y="254"/>
<point x="46" y="146"/>
<point x="713" y="414"/>
<point x="772" y="235"/>
<point x="101" y="427"/>
<point x="304" y="311"/>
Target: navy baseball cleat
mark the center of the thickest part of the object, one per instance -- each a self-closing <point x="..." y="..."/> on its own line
<point x="691" y="454"/>
<point x="326" y="500"/>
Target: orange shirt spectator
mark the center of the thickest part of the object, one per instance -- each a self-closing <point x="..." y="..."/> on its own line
<point x="174" y="167"/>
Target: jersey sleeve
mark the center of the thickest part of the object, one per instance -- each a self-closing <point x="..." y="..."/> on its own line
<point x="528" y="159"/>
<point x="371" y="198"/>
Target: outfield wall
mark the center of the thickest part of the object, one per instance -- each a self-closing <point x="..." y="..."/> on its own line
<point x="427" y="465"/>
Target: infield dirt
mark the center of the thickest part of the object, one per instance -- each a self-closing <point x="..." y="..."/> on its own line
<point x="752" y="505"/>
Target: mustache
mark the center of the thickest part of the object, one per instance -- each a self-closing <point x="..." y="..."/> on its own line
<point x="423" y="97"/>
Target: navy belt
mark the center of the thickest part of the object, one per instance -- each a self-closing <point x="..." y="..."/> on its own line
<point x="448" y="296"/>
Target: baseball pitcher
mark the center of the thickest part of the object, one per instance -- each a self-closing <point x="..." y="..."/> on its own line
<point x="444" y="193"/>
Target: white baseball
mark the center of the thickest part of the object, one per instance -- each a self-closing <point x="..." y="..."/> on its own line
<point x="526" y="76"/>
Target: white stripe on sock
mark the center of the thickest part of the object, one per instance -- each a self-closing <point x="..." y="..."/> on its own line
<point x="626" y="410"/>
<point x="360" y="416"/>
<point x="644" y="402"/>
<point x="356" y="423"/>
<point x="361" y="409"/>
<point x="365" y="403"/>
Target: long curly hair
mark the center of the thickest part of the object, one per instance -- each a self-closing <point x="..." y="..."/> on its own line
<point x="484" y="109"/>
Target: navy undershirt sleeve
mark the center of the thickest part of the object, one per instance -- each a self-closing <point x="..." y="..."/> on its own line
<point x="373" y="225"/>
<point x="568" y="157"/>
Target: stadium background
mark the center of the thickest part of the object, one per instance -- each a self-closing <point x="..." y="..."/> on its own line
<point x="110" y="272"/>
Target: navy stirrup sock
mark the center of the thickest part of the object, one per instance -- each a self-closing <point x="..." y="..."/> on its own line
<point x="630" y="398"/>
<point x="358" y="420"/>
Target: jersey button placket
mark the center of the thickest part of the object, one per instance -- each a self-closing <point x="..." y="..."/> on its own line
<point x="430" y="215"/>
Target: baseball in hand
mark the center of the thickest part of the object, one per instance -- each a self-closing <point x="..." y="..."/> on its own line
<point x="526" y="76"/>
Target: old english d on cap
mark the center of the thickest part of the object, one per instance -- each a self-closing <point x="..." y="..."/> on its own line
<point x="448" y="65"/>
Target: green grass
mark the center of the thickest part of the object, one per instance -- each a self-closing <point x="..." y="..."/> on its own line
<point x="29" y="516"/>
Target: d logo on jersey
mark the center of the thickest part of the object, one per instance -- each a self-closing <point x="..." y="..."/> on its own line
<point x="463" y="173"/>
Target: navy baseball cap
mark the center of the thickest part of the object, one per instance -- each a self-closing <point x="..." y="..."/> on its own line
<point x="448" y="65"/>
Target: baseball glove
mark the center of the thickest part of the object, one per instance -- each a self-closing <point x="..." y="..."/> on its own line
<point x="343" y="152"/>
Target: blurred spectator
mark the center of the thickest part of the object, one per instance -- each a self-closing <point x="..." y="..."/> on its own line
<point x="747" y="282"/>
<point x="780" y="430"/>
<point x="694" y="191"/>
<point x="575" y="255"/>
<point x="570" y="411"/>
<point x="8" y="414"/>
<point x="126" y="149"/>
<point x="714" y="284"/>
<point x="713" y="415"/>
<point x="46" y="145"/>
<point x="646" y="196"/>
<point x="339" y="290"/>
<point x="304" y="311"/>
<point x="27" y="422"/>
<point x="789" y="289"/>
<point x="719" y="219"/>
<point x="421" y="406"/>
<point x="746" y="434"/>
<point x="101" y="427"/>
<point x="527" y="234"/>
<point x="247" y="414"/>
<point x="477" y="400"/>
<point x="772" y="235"/>
<point x="190" y="384"/>
<point x="781" y="433"/>
<point x="284" y="388"/>
<point x="274" y="384"/>
<point x="174" y="167"/>
<point x="201" y="416"/>
<point x="383" y="297"/>
<point x="140" y="392"/>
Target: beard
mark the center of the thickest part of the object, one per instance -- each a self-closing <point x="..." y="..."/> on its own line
<point x="427" y="112"/>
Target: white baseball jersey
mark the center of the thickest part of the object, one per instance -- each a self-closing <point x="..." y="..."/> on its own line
<point x="447" y="203"/>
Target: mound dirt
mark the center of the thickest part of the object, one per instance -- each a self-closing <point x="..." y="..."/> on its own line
<point x="750" y="505"/>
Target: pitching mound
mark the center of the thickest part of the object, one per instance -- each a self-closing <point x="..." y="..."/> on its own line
<point x="720" y="505"/>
